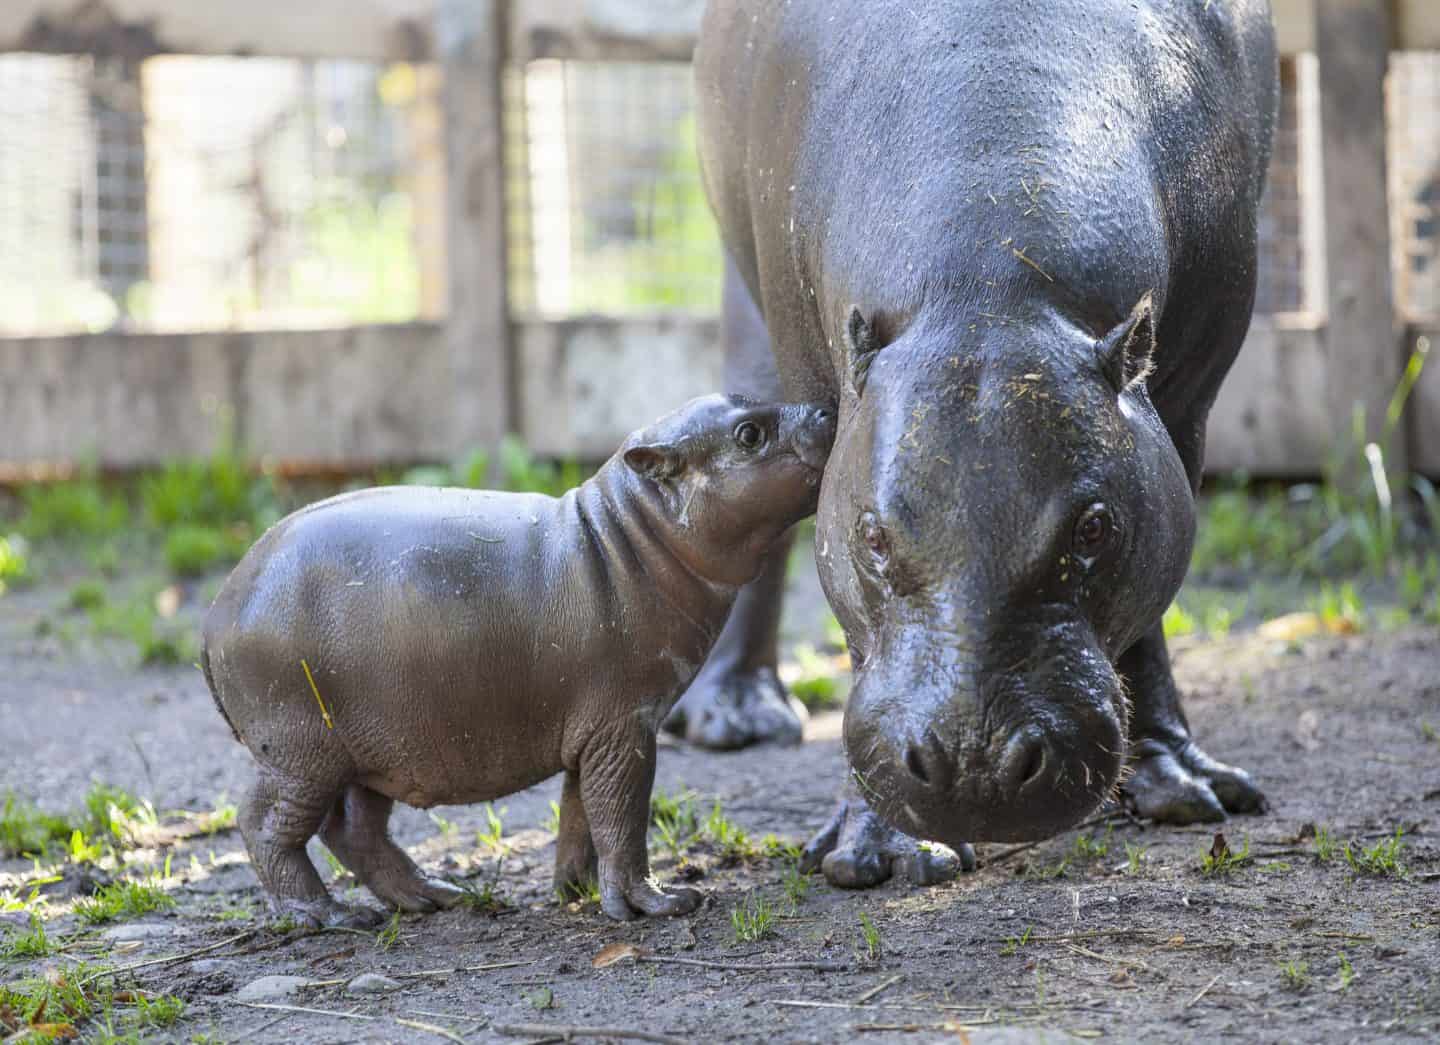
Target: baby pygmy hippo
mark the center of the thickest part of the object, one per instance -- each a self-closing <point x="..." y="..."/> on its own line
<point x="435" y="646"/>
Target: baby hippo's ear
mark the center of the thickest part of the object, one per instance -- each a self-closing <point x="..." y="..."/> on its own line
<point x="658" y="461"/>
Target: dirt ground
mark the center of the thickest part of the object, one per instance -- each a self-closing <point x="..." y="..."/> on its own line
<point x="1120" y="936"/>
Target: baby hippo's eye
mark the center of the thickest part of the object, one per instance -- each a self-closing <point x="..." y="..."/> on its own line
<point x="749" y="435"/>
<point x="1092" y="531"/>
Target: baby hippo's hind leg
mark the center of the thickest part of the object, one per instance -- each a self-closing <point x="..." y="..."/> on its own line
<point x="576" y="868"/>
<point x="279" y="815"/>
<point x="357" y="831"/>
<point x="616" y="775"/>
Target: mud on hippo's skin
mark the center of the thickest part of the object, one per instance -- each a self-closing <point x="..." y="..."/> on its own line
<point x="447" y="646"/>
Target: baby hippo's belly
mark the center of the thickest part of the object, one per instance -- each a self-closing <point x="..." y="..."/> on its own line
<point x="425" y="634"/>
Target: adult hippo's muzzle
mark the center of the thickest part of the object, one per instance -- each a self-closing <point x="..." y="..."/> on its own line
<point x="957" y="748"/>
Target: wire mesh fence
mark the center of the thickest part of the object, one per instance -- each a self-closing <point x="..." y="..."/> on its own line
<point x="1413" y="117"/>
<point x="190" y="193"/>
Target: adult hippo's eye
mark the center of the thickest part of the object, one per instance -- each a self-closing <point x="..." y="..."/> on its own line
<point x="875" y="539"/>
<point x="1092" y="531"/>
<point x="749" y="435"/>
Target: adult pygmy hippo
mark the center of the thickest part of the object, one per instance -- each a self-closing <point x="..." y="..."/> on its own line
<point x="1014" y="240"/>
<point x="445" y="646"/>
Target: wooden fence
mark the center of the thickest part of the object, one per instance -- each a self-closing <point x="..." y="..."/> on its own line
<point x="359" y="396"/>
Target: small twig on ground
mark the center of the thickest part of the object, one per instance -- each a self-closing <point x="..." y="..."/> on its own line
<point x="302" y="1008"/>
<point x="449" y="1016"/>
<point x="914" y="1028"/>
<point x="566" y="1032"/>
<point x="166" y="961"/>
<point x="463" y="968"/>
<point x="1085" y="952"/>
<point x="1203" y="991"/>
<point x="879" y="988"/>
<point x="430" y="1028"/>
<point x="660" y="959"/>
<point x="1091" y="934"/>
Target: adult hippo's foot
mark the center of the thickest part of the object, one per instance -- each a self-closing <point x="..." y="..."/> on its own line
<point x="1172" y="780"/>
<point x="1183" y="785"/>
<point x="857" y="850"/>
<point x="728" y="707"/>
<point x="738" y="699"/>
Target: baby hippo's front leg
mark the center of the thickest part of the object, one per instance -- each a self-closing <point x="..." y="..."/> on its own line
<point x="617" y="772"/>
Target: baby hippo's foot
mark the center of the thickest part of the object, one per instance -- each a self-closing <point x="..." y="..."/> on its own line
<point x="730" y="707"/>
<point x="414" y="893"/>
<point x="623" y="896"/>
<point x="325" y="914"/>
<point x="857" y="850"/>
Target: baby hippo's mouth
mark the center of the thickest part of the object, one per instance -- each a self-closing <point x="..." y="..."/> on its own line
<point x="812" y="443"/>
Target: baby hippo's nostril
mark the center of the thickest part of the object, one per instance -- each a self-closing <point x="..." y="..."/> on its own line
<point x="1023" y="762"/>
<point x="929" y="763"/>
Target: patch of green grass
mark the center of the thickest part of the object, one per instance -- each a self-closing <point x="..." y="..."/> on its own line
<point x="541" y="999"/>
<point x="552" y="822"/>
<point x="1295" y="975"/>
<point x="734" y="843"/>
<point x="1046" y="872"/>
<point x="1326" y="847"/>
<point x="1381" y="860"/>
<point x="776" y="848"/>
<point x="106" y="804"/>
<point x="1429" y="732"/>
<point x="1176" y="622"/>
<point x="27" y="831"/>
<point x="522" y="472"/>
<point x="754" y="921"/>
<point x="1274" y="867"/>
<point x="484" y="899"/>
<point x="675" y="821"/>
<point x="1134" y="857"/>
<point x="1014" y="943"/>
<point x="191" y="551"/>
<point x="14" y="566"/>
<point x="493" y="837"/>
<point x="796" y="884"/>
<point x="818" y="685"/>
<point x="34" y="943"/>
<point x="86" y="597"/>
<point x="1347" y="972"/>
<point x="67" y="996"/>
<point x="337" y="869"/>
<point x="128" y="898"/>
<point x="448" y="828"/>
<point x="387" y="937"/>
<point x="1086" y="848"/>
<point x="1340" y="608"/>
<point x="157" y="641"/>
<point x="159" y="1011"/>
<point x="585" y="891"/>
<point x="1224" y="862"/>
<point x="79" y="508"/>
<point x="872" y="946"/>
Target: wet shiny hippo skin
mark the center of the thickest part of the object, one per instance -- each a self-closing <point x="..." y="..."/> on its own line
<point x="438" y="646"/>
<point x="1014" y="242"/>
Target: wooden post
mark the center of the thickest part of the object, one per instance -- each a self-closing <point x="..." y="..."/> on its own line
<point x="469" y="35"/>
<point x="1353" y="40"/>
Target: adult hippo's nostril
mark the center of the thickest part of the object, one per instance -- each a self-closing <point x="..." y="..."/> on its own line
<point x="1023" y="762"/>
<point x="928" y="762"/>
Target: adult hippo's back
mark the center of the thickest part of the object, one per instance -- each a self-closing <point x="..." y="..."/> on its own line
<point x="1015" y="241"/>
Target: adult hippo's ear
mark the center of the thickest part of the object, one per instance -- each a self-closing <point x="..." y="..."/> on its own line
<point x="863" y="347"/>
<point x="658" y="461"/>
<point x="1127" y="353"/>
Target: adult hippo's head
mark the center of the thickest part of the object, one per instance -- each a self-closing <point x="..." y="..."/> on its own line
<point x="1002" y="516"/>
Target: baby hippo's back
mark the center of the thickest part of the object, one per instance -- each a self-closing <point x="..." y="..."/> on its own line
<point x="397" y="637"/>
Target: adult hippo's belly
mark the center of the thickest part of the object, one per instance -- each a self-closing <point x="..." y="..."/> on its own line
<point x="1014" y="241"/>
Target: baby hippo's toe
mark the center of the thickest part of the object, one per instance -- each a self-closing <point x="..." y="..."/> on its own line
<point x="417" y="894"/>
<point x="326" y="914"/>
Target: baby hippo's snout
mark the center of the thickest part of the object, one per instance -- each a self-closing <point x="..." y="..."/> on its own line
<point x="812" y="435"/>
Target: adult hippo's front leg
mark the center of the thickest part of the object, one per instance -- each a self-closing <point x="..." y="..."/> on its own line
<point x="1174" y="781"/>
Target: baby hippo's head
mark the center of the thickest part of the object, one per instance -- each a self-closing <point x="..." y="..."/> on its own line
<point x="729" y="476"/>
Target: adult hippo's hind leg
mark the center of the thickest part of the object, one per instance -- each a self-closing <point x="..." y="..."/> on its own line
<point x="1173" y="780"/>
<point x="357" y="831"/>
<point x="738" y="699"/>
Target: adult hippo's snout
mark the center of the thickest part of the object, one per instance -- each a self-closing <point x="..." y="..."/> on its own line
<point x="995" y="756"/>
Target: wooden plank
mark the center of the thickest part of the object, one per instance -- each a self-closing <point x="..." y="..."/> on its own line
<point x="1425" y="406"/>
<point x="355" y="397"/>
<point x="373" y="29"/>
<point x="656" y="30"/>
<point x="480" y="395"/>
<point x="1294" y="25"/>
<point x="587" y="383"/>
<point x="1272" y="417"/>
<point x="1364" y="359"/>
<point x="1417" y="24"/>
